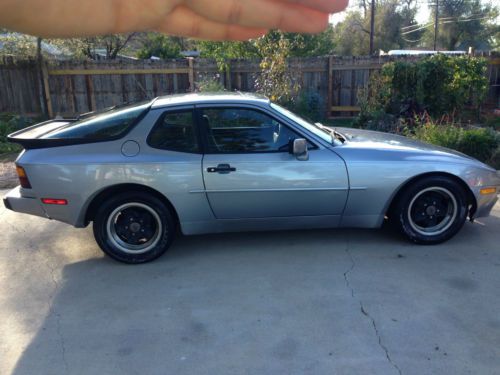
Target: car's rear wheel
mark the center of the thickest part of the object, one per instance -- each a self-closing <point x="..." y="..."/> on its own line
<point x="431" y="210"/>
<point x="134" y="227"/>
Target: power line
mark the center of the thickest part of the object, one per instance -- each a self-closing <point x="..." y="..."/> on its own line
<point x="443" y="21"/>
<point x="417" y="25"/>
<point x="412" y="40"/>
<point x="465" y="20"/>
<point x="420" y="28"/>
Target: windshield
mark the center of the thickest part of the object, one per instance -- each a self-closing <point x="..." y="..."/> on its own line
<point x="324" y="134"/>
<point x="106" y="125"/>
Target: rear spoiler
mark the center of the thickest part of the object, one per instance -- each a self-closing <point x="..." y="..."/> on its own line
<point x="30" y="137"/>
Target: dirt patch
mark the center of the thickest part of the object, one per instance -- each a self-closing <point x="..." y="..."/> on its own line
<point x="8" y="176"/>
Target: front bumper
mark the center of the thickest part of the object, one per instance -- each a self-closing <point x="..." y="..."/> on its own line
<point x="16" y="202"/>
<point x="485" y="205"/>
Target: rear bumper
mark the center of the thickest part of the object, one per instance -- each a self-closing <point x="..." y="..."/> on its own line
<point x="31" y="206"/>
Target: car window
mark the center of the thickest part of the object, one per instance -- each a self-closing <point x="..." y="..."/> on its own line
<point x="175" y="131"/>
<point x="302" y="122"/>
<point x="107" y="125"/>
<point x="242" y="130"/>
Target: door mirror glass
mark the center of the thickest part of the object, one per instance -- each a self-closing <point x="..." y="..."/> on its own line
<point x="299" y="149"/>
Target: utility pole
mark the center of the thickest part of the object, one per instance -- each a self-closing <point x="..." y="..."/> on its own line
<point x="372" y="25"/>
<point x="436" y="22"/>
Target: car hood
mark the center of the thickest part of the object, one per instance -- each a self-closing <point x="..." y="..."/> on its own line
<point x="369" y="139"/>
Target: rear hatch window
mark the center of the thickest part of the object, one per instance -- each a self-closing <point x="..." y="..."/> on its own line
<point x="109" y="125"/>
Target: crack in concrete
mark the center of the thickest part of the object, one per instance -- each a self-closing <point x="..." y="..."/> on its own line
<point x="364" y="311"/>
<point x="62" y="342"/>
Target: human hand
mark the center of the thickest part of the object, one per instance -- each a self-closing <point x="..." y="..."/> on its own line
<point x="203" y="19"/>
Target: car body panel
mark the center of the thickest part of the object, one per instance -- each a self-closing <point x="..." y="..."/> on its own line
<point x="276" y="185"/>
<point x="350" y="184"/>
<point x="380" y="164"/>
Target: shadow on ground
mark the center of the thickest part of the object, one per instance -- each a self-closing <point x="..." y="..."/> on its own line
<point x="319" y="302"/>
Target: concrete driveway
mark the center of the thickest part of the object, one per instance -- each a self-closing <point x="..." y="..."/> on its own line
<point x="303" y="302"/>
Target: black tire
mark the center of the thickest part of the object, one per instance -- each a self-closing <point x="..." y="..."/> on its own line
<point x="134" y="227"/>
<point x="431" y="210"/>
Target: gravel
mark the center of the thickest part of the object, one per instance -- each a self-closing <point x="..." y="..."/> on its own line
<point x="8" y="176"/>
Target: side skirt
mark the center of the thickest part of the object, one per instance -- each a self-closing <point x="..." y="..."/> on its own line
<point x="260" y="224"/>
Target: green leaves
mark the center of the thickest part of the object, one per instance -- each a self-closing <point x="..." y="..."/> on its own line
<point x="8" y="124"/>
<point x="160" y="45"/>
<point x="480" y="143"/>
<point x="275" y="79"/>
<point x="439" y="85"/>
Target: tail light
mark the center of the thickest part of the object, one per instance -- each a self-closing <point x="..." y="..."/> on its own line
<point x="23" y="178"/>
<point x="56" y="201"/>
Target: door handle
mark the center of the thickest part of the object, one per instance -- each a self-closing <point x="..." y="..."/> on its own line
<point x="221" y="168"/>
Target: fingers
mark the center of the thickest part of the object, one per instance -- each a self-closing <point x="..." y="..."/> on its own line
<point x="208" y="19"/>
<point x="268" y="14"/>
<point x="184" y="22"/>
<point x="327" y="6"/>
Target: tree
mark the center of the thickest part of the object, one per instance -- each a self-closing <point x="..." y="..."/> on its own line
<point x="224" y="51"/>
<point x="464" y="23"/>
<point x="275" y="79"/>
<point x="106" y="46"/>
<point x="300" y="45"/>
<point x="22" y="45"/>
<point x="17" y="44"/>
<point x="160" y="45"/>
<point x="25" y="45"/>
<point x="351" y="36"/>
<point x="112" y="45"/>
<point x="307" y="45"/>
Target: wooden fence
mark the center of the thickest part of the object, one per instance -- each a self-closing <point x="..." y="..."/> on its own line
<point x="69" y="88"/>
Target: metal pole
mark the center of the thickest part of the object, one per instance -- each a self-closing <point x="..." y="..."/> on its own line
<point x="436" y="22"/>
<point x="372" y="25"/>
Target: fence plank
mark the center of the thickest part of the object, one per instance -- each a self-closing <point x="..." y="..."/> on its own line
<point x="68" y="72"/>
<point x="84" y="86"/>
<point x="46" y="86"/>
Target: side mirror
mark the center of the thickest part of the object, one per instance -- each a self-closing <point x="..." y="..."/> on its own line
<point x="299" y="149"/>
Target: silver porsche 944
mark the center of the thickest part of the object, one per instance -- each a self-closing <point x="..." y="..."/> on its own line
<point x="235" y="162"/>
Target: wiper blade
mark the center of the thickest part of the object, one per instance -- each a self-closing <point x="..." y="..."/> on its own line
<point x="334" y="133"/>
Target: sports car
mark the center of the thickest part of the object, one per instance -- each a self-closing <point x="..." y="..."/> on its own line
<point x="204" y="163"/>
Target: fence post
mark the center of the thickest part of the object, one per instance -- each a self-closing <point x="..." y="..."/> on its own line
<point x="228" y="77"/>
<point x="191" y="74"/>
<point x="330" y="87"/>
<point x="90" y="93"/>
<point x="46" y="88"/>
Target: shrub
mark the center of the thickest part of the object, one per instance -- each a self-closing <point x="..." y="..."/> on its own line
<point x="480" y="143"/>
<point x="495" y="159"/>
<point x="10" y="123"/>
<point x="310" y="105"/>
<point x="438" y="84"/>
<point x="210" y="85"/>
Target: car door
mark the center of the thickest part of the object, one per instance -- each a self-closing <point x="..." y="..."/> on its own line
<point x="249" y="172"/>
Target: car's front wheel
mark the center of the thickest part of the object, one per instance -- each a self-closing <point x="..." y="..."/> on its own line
<point x="134" y="227"/>
<point x="432" y="210"/>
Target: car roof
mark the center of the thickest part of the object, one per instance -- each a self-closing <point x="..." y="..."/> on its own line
<point x="209" y="97"/>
